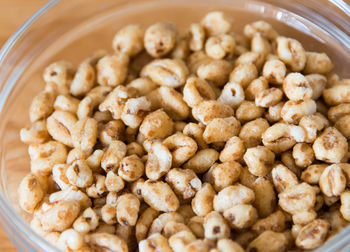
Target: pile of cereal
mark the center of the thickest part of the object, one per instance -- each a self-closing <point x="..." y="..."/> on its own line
<point x="210" y="141"/>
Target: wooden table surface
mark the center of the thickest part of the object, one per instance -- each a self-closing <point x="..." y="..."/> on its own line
<point x="13" y="13"/>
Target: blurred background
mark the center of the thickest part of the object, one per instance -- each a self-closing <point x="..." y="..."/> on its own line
<point x="13" y="13"/>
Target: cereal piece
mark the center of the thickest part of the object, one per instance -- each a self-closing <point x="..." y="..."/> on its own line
<point x="274" y="71"/>
<point x="216" y="23"/>
<point x="215" y="226"/>
<point x="162" y="220"/>
<point x="60" y="73"/>
<point x="318" y="84"/>
<point x="131" y="168"/>
<point x="98" y="188"/>
<point x="221" y="129"/>
<point x="60" y="216"/>
<point x="274" y="113"/>
<point x="71" y="193"/>
<point x="113" y="155"/>
<point x="86" y="222"/>
<point x="331" y="146"/>
<point x="135" y="110"/>
<point x="296" y="87"/>
<point x="112" y="69"/>
<point x="249" y="58"/>
<point x="36" y="133"/>
<point x="196" y="37"/>
<point x="79" y="174"/>
<point x="66" y="103"/>
<point x="173" y="103"/>
<point x="274" y="222"/>
<point x="84" y="79"/>
<point x="225" y="174"/>
<point x="181" y="147"/>
<point x="232" y="94"/>
<point x="248" y="111"/>
<point x="116" y="100"/>
<point x="44" y="156"/>
<point x="317" y="63"/>
<point x="214" y="71"/>
<point x="332" y="181"/>
<point x="313" y="173"/>
<point x="196" y="132"/>
<point x="262" y="27"/>
<point x="202" y="203"/>
<point x="283" y="178"/>
<point x="197" y="90"/>
<point x="144" y="222"/>
<point x="180" y="240"/>
<point x="260" y="44"/>
<point x="251" y="132"/>
<point x="84" y="135"/>
<point x="337" y="112"/>
<point x="218" y="47"/>
<point x="265" y="197"/>
<point x="281" y="137"/>
<point x="303" y="154"/>
<point x="297" y="198"/>
<point x="160" y="196"/>
<point x="269" y="241"/>
<point x="343" y="125"/>
<point x="243" y="74"/>
<point x="89" y="103"/>
<point x="312" y="235"/>
<point x="241" y="216"/>
<point x="160" y="38"/>
<point x="196" y="225"/>
<point x="206" y="111"/>
<point x="293" y="111"/>
<point x="60" y="126"/>
<point x="233" y="150"/>
<point x="157" y="125"/>
<point x="166" y="72"/>
<point x="159" y="161"/>
<point x="111" y="131"/>
<point x="59" y="175"/>
<point x="337" y="94"/>
<point x="202" y="160"/>
<point x="184" y="182"/>
<point x="173" y="227"/>
<point x="291" y="52"/>
<point x="103" y="240"/>
<point x="128" y="207"/>
<point x="259" y="160"/>
<point x="233" y="195"/>
<point x="31" y="191"/>
<point x="181" y="50"/>
<point x="155" y="242"/>
<point x="94" y="160"/>
<point x="255" y="87"/>
<point x="129" y="40"/>
<point x="70" y="240"/>
<point x="229" y="246"/>
<point x="268" y="97"/>
<point x="313" y="124"/>
<point x="143" y="85"/>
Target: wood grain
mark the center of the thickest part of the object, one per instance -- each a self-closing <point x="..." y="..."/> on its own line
<point x="13" y="13"/>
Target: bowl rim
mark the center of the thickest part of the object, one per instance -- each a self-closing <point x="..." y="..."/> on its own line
<point x="10" y="219"/>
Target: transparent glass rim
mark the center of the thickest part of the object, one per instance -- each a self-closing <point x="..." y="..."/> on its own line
<point x="11" y="221"/>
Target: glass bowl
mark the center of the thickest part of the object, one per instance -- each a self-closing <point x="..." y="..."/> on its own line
<point x="71" y="30"/>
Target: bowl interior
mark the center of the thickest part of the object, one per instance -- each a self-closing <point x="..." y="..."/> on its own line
<point x="78" y="41"/>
